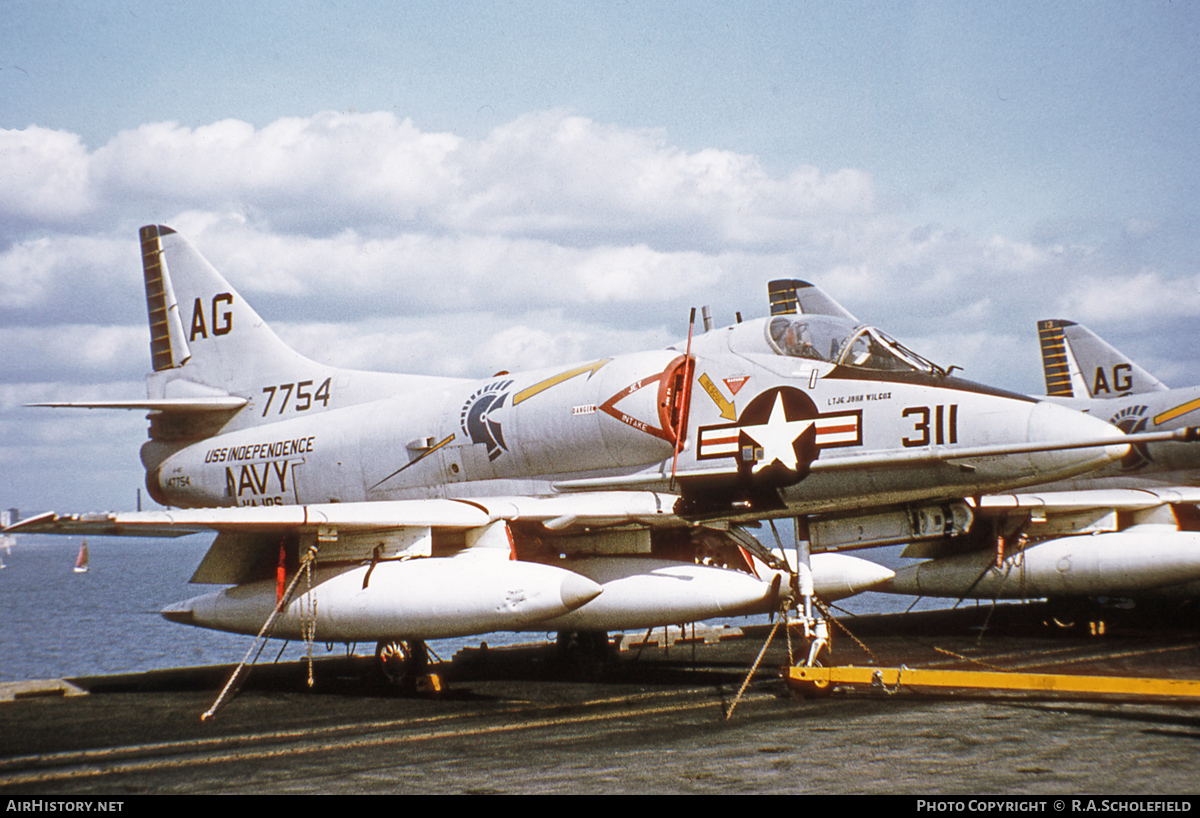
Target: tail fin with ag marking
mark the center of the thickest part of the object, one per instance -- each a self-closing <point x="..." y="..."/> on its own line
<point x="204" y="337"/>
<point x="1077" y="363"/>
<point x="213" y="358"/>
<point x="217" y="365"/>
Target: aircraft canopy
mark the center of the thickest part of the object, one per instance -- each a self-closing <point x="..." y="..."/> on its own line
<point x="839" y="341"/>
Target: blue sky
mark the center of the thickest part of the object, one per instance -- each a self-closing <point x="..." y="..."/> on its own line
<point x="578" y="175"/>
<point x="1020" y="110"/>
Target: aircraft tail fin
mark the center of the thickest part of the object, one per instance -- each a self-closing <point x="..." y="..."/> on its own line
<point x="789" y="296"/>
<point x="205" y="339"/>
<point x="168" y="346"/>
<point x="1077" y="363"/>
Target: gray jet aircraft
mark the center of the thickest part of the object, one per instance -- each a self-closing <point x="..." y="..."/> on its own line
<point x="608" y="494"/>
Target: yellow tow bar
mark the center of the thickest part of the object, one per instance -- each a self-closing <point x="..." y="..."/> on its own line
<point x="819" y="680"/>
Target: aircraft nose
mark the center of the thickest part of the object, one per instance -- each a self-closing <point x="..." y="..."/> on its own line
<point x="1049" y="423"/>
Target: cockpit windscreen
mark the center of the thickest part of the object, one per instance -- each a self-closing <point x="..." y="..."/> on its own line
<point x="837" y="341"/>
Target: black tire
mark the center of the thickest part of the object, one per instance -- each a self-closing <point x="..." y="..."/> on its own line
<point x="401" y="662"/>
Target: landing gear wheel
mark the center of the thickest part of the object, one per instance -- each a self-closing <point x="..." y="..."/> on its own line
<point x="401" y="662"/>
<point x="819" y="688"/>
<point x="814" y="689"/>
<point x="586" y="653"/>
<point x="1066" y="615"/>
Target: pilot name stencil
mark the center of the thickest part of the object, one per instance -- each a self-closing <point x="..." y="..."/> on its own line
<point x="840" y="400"/>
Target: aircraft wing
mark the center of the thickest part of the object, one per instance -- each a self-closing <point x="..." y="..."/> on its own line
<point x="201" y="404"/>
<point x="1051" y="502"/>
<point x="556" y="512"/>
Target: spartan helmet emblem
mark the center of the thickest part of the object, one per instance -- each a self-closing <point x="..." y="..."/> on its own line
<point x="1131" y="420"/>
<point x="476" y="420"/>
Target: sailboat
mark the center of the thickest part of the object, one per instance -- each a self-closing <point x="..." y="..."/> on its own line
<point x="81" y="561"/>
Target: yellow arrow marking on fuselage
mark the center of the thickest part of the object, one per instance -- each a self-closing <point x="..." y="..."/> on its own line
<point x="1182" y="409"/>
<point x="415" y="460"/>
<point x="538" y="388"/>
<point x="726" y="407"/>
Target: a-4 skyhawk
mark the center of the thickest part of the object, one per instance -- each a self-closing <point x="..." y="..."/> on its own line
<point x="584" y="498"/>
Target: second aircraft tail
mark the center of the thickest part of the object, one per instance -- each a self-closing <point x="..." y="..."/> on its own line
<point x="1077" y="363"/>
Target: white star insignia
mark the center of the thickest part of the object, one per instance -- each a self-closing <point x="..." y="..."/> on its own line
<point x="776" y="437"/>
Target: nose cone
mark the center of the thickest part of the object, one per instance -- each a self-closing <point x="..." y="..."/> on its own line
<point x="1050" y="424"/>
<point x="577" y="590"/>
<point x="837" y="576"/>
